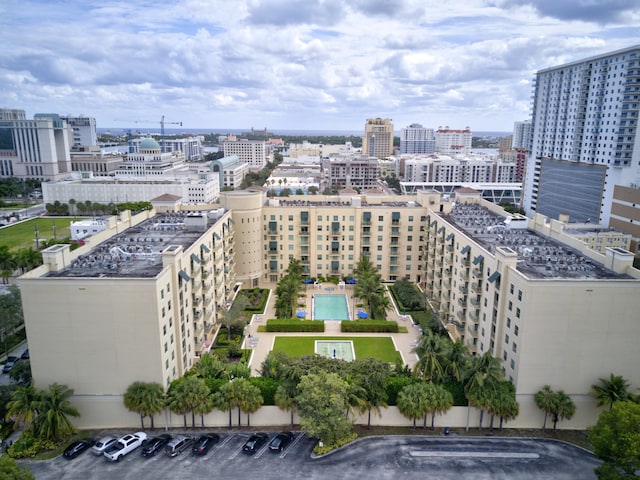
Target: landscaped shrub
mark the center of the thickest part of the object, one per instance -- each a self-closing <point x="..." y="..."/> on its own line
<point x="234" y="350"/>
<point x="375" y="326"/>
<point x="257" y="298"/>
<point x="214" y="384"/>
<point x="293" y="325"/>
<point x="408" y="295"/>
<point x="267" y="386"/>
<point x="395" y="385"/>
<point x="457" y="391"/>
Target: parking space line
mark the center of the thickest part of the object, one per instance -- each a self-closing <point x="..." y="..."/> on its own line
<point x="263" y="449"/>
<point x="237" y="452"/>
<point x="293" y="444"/>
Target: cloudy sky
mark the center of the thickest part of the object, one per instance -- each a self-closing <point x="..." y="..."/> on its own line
<point x="297" y="64"/>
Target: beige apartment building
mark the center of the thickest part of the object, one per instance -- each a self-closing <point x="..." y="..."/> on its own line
<point x="378" y="138"/>
<point x="139" y="301"/>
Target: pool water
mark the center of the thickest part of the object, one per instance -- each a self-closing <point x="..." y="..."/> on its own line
<point x="330" y="307"/>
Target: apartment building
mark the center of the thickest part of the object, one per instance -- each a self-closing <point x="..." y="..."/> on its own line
<point x="584" y="130"/>
<point x="378" y="138"/>
<point x="256" y="153"/>
<point x="137" y="302"/>
<point x="453" y="142"/>
<point x="417" y="139"/>
<point x="83" y="130"/>
<point x="625" y="213"/>
<point x="350" y="171"/>
<point x="230" y="170"/>
<point x="521" y="134"/>
<point x="37" y="148"/>
<point x="467" y="169"/>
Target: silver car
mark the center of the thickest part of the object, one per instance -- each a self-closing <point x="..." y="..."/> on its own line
<point x="102" y="444"/>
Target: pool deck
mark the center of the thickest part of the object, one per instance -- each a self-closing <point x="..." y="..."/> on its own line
<point x="262" y="342"/>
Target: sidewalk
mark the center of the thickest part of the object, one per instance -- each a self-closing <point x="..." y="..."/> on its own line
<point x="262" y="342"/>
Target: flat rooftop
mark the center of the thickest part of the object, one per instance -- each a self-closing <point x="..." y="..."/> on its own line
<point x="538" y="255"/>
<point x="137" y="252"/>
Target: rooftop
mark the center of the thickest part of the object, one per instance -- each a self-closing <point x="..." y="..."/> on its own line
<point x="538" y="256"/>
<point x="136" y="252"/>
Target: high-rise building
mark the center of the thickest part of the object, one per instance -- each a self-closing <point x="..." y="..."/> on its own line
<point x="83" y="130"/>
<point x="37" y="148"/>
<point x="453" y="142"/>
<point x="417" y="139"/>
<point x="584" y="136"/>
<point x="378" y="138"/>
<point x="521" y="134"/>
<point x="256" y="153"/>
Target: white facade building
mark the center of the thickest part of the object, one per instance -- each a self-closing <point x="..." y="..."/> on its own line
<point x="453" y="142"/>
<point x="190" y="147"/>
<point x="521" y="134"/>
<point x="584" y="136"/>
<point x="83" y="130"/>
<point x="256" y="153"/>
<point x="417" y="139"/>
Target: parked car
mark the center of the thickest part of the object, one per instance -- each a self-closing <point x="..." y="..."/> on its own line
<point x="155" y="444"/>
<point x="102" y="444"/>
<point x="124" y="445"/>
<point x="254" y="443"/>
<point x="9" y="363"/>
<point x="25" y="355"/>
<point x="76" y="448"/>
<point x="280" y="441"/>
<point x="178" y="445"/>
<point x="204" y="443"/>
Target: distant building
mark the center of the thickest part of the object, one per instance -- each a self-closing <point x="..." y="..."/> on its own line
<point x="255" y="153"/>
<point x="96" y="161"/>
<point x="351" y="171"/>
<point x="190" y="148"/>
<point x="83" y="130"/>
<point x="417" y="139"/>
<point x="625" y="213"/>
<point x="37" y="148"/>
<point x="469" y="168"/>
<point x="453" y="142"/>
<point x="378" y="138"/>
<point x="522" y="134"/>
<point x="86" y="228"/>
<point x="231" y="171"/>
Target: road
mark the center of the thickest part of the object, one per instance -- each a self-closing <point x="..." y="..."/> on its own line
<point x="371" y="458"/>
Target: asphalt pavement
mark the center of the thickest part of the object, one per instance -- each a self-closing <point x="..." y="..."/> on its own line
<point x="372" y="458"/>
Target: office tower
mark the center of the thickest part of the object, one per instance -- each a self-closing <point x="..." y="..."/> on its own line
<point x="584" y="130"/>
<point x="521" y="134"/>
<point x="378" y="138"/>
<point x="83" y="130"/>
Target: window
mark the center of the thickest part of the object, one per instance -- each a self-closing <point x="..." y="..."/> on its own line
<point x="510" y="305"/>
<point x="508" y="322"/>
<point x="511" y="289"/>
<point x="519" y="295"/>
<point x="516" y="330"/>
<point x="514" y="348"/>
<point x="381" y="218"/>
<point x="513" y="364"/>
<point x="164" y="330"/>
<point x="504" y="355"/>
<point x="517" y="312"/>
<point x="506" y="338"/>
<point x="161" y="293"/>
<point x="166" y="348"/>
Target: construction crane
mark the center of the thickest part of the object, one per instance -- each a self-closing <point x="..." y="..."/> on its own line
<point x="162" y="124"/>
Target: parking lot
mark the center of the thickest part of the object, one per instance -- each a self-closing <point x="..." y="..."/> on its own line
<point x="410" y="457"/>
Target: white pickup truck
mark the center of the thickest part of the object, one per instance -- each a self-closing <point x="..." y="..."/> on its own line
<point x="125" y="445"/>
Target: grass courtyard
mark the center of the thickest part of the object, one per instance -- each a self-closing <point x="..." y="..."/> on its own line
<point x="22" y="235"/>
<point x="380" y="348"/>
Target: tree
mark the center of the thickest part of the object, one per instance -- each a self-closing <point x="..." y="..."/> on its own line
<point x="322" y="406"/>
<point x="485" y="373"/>
<point x="503" y="403"/>
<point x="187" y="394"/>
<point x="21" y="373"/>
<point x="412" y="402"/>
<point x="439" y="400"/>
<point x="433" y="352"/>
<point x="54" y="410"/>
<point x="241" y="394"/>
<point x="557" y="404"/>
<point x="287" y="291"/>
<point x="285" y="399"/>
<point x="372" y="376"/>
<point x="10" y="470"/>
<point x="370" y="289"/>
<point x="72" y="206"/>
<point x="146" y="399"/>
<point x="235" y="314"/>
<point x="615" y="389"/>
<point x="23" y="406"/>
<point x="616" y="440"/>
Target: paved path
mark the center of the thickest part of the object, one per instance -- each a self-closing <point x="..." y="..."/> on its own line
<point x="261" y="342"/>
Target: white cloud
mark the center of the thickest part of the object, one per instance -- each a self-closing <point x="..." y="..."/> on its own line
<point x="317" y="64"/>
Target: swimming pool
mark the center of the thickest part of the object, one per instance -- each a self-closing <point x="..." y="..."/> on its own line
<point x="330" y="307"/>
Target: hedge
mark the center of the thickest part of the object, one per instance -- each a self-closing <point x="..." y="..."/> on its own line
<point x="375" y="326"/>
<point x="267" y="386"/>
<point x="292" y="325"/>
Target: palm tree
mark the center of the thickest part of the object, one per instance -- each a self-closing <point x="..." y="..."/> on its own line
<point x="372" y="376"/>
<point x="54" y="410"/>
<point x="370" y="289"/>
<point x="177" y="399"/>
<point x="205" y="407"/>
<point x="439" y="400"/>
<point x="485" y="373"/>
<point x="412" y="402"/>
<point x="234" y="314"/>
<point x="544" y="400"/>
<point x="146" y="399"/>
<point x="72" y="205"/>
<point x="23" y="406"/>
<point x="615" y="389"/>
<point x="503" y="403"/>
<point x="433" y="353"/>
<point x="287" y="290"/>
<point x="457" y="363"/>
<point x="251" y="400"/>
<point x="241" y="394"/>
<point x="563" y="407"/>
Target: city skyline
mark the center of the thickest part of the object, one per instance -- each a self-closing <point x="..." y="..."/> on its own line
<point x="285" y="64"/>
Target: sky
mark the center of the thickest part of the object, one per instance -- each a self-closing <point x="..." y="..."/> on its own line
<point x="297" y="64"/>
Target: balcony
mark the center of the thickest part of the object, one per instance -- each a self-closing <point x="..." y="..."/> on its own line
<point x="475" y="301"/>
<point x="473" y="315"/>
<point x="462" y="301"/>
<point x="463" y="289"/>
<point x="462" y="315"/>
<point x="476" y="287"/>
<point x="478" y="272"/>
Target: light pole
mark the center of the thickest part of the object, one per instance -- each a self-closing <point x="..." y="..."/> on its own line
<point x="37" y="238"/>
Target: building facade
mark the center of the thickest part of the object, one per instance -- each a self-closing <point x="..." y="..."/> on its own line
<point x="230" y="170"/>
<point x="522" y="134"/>
<point x="417" y="139"/>
<point x="255" y="153"/>
<point x="584" y="136"/>
<point x="37" y="148"/>
<point x="350" y="171"/>
<point x="83" y="130"/>
<point x="453" y="142"/>
<point x="625" y="213"/>
<point x="378" y="138"/>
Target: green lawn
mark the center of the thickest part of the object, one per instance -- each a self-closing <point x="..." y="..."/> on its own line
<point x="22" y="235"/>
<point x="380" y="348"/>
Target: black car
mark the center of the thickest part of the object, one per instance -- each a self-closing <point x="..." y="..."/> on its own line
<point x="9" y="363"/>
<point x="254" y="443"/>
<point x="280" y="441"/>
<point x="155" y="444"/>
<point x="76" y="448"/>
<point x="25" y="355"/>
<point x="204" y="443"/>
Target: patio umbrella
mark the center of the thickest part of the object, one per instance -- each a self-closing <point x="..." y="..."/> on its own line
<point x="352" y="281"/>
<point x="363" y="315"/>
<point x="301" y="314"/>
<point x="308" y="280"/>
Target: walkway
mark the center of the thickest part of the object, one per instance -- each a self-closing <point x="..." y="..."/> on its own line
<point x="262" y="342"/>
